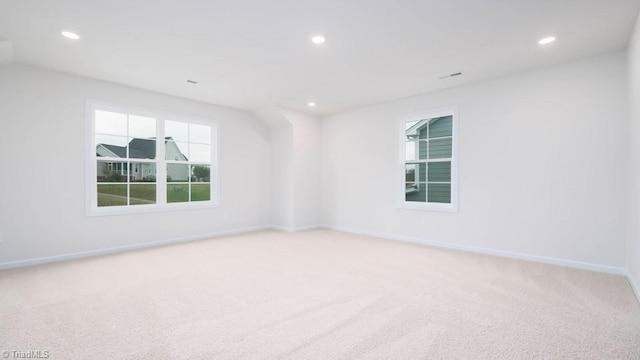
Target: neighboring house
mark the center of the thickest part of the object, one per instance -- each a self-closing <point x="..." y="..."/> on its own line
<point x="416" y="174"/>
<point x="138" y="149"/>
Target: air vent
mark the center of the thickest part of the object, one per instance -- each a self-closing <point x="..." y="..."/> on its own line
<point x="192" y="82"/>
<point x="451" y="75"/>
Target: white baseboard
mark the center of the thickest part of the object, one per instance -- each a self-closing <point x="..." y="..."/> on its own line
<point x="508" y="254"/>
<point x="634" y="286"/>
<point x="119" y="249"/>
<point x="295" y="230"/>
<point x="488" y="251"/>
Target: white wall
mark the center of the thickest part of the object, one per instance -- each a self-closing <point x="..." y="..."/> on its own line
<point x="306" y="159"/>
<point x="295" y="177"/>
<point x="633" y="241"/>
<point x="282" y="176"/>
<point x="6" y="51"/>
<point x="542" y="165"/>
<point x="42" y="157"/>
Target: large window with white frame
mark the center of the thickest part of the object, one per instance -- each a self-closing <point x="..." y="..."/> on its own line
<point x="428" y="163"/>
<point x="141" y="160"/>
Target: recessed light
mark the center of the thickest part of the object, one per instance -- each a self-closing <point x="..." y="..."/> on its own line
<point x="311" y="104"/>
<point x="318" y="39"/>
<point x="546" y="40"/>
<point x="70" y="35"/>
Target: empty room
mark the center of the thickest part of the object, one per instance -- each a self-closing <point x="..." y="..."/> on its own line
<point x="375" y="179"/>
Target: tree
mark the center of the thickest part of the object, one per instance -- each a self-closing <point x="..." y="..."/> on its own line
<point x="201" y="173"/>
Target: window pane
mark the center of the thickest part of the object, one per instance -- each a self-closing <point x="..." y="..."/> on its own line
<point x="142" y="194"/>
<point x="177" y="173"/>
<point x="142" y="148"/>
<point x="108" y="171"/>
<point x="199" y="153"/>
<point x="440" y="127"/>
<point x="142" y="127"/>
<point x="439" y="149"/>
<point x="411" y="130"/>
<point x="423" y="146"/>
<point x="416" y="192"/>
<point x="410" y="124"/>
<point x="200" y="173"/>
<point x="112" y="195"/>
<point x="143" y="172"/>
<point x="410" y="172"/>
<point x="177" y="131"/>
<point x="411" y="150"/>
<point x="440" y="171"/>
<point x="177" y="193"/>
<point x="415" y="173"/>
<point x="200" y="192"/>
<point x="111" y="146"/>
<point x="111" y="123"/>
<point x="440" y="193"/>
<point x="199" y="134"/>
<point x="422" y="129"/>
<point x="176" y="151"/>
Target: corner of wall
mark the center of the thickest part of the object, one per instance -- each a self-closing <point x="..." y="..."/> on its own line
<point x="633" y="180"/>
<point x="295" y="168"/>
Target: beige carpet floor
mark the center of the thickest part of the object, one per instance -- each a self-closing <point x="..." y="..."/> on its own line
<point x="315" y="295"/>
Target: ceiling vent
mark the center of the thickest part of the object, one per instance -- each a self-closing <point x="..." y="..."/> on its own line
<point x="451" y="75"/>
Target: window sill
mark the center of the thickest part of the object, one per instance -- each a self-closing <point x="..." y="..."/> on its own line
<point x="145" y="209"/>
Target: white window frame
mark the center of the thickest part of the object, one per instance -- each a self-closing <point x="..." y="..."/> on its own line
<point x="92" y="209"/>
<point x="401" y="180"/>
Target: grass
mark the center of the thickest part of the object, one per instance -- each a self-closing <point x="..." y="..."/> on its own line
<point x="177" y="193"/>
<point x="116" y="194"/>
<point x="180" y="192"/>
<point x="145" y="193"/>
<point x="200" y="192"/>
<point x="112" y="195"/>
<point x="142" y="194"/>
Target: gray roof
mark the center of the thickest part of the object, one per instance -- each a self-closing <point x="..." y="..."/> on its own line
<point x="138" y="148"/>
<point x="120" y="151"/>
<point x="415" y="129"/>
<point x="142" y="149"/>
<point x="420" y="125"/>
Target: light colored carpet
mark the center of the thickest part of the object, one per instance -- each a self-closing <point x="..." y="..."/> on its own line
<point x="315" y="295"/>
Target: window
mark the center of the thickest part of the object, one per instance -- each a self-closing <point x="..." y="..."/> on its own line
<point x="143" y="161"/>
<point x="188" y="160"/>
<point x="429" y="160"/>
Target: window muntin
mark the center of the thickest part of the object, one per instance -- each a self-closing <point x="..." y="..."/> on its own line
<point x="429" y="161"/>
<point x="129" y="170"/>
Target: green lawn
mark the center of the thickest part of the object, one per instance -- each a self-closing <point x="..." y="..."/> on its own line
<point x="145" y="193"/>
<point x="180" y="192"/>
<point x="116" y="194"/>
<point x="142" y="194"/>
<point x="177" y="193"/>
<point x="112" y="195"/>
<point x="200" y="192"/>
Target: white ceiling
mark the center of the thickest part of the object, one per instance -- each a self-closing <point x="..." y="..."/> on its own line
<point x="255" y="54"/>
